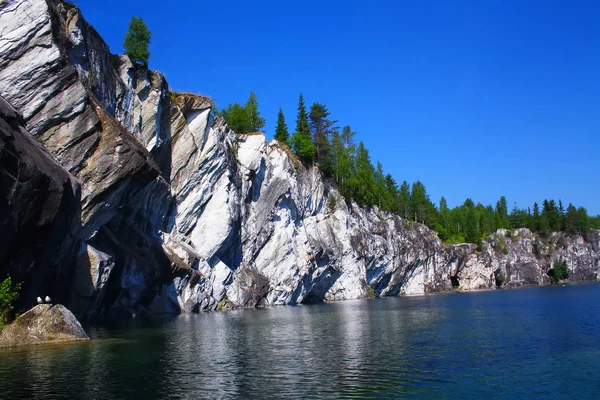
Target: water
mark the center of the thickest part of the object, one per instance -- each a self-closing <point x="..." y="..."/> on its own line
<point x="535" y="342"/>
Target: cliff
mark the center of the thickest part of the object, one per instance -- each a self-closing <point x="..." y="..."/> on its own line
<point x="151" y="204"/>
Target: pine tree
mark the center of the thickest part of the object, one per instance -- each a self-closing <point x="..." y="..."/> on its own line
<point x="422" y="209"/>
<point x="137" y="41"/>
<point x="502" y="213"/>
<point x="301" y="142"/>
<point x="281" y="131"/>
<point x="535" y="226"/>
<point x="256" y="121"/>
<point x="380" y="190"/>
<point x="571" y="220"/>
<point x="365" y="185"/>
<point x="404" y="199"/>
<point x="321" y="127"/>
<point x="302" y="126"/>
<point x="391" y="194"/>
<point x="471" y="232"/>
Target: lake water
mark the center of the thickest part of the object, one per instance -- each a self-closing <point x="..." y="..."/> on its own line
<point x="541" y="342"/>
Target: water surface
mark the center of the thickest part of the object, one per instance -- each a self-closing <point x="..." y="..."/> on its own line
<point x="539" y="342"/>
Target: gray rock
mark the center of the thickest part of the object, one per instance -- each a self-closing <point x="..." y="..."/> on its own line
<point x="44" y="323"/>
<point x="39" y="209"/>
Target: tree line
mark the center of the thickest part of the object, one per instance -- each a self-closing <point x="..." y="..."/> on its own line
<point x="318" y="139"/>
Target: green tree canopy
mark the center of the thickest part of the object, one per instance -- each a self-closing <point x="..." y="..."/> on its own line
<point x="303" y="147"/>
<point x="302" y="143"/>
<point x="281" y="131"/>
<point x="256" y="121"/>
<point x="137" y="41"/>
<point x="237" y="118"/>
<point x="244" y="119"/>
<point x="321" y="127"/>
<point x="302" y="125"/>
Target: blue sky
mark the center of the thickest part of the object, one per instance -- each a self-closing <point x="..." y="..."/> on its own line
<point x="474" y="98"/>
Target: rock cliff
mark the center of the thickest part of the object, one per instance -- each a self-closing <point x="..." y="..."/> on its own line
<point x="154" y="205"/>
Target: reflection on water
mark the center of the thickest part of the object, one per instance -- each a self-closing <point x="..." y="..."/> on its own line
<point x="517" y="343"/>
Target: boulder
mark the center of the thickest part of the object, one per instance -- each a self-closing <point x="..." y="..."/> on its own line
<point x="44" y="323"/>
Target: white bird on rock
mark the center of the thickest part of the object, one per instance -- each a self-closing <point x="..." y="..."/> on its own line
<point x="48" y="299"/>
<point x="39" y="300"/>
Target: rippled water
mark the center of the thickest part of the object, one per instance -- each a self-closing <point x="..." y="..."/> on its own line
<point x="534" y="342"/>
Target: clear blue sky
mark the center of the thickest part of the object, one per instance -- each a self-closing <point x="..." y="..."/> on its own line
<point x="474" y="98"/>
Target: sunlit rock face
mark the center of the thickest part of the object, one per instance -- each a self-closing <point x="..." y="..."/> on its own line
<point x="174" y="212"/>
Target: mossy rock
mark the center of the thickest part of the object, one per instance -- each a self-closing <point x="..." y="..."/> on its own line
<point x="45" y="323"/>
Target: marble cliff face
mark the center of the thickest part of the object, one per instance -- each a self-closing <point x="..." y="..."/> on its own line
<point x="120" y="197"/>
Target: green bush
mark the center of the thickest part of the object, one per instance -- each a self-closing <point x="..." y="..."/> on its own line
<point x="9" y="293"/>
<point x="559" y="272"/>
<point x="455" y="239"/>
<point x="331" y="204"/>
<point x="303" y="147"/>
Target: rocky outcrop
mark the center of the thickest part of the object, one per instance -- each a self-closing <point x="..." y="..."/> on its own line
<point x="44" y="323"/>
<point x="39" y="210"/>
<point x="179" y="213"/>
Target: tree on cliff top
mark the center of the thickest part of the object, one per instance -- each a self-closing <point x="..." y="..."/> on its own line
<point x="281" y="132"/>
<point x="137" y="41"/>
<point x="256" y="121"/>
<point x="302" y="143"/>
<point x="244" y="119"/>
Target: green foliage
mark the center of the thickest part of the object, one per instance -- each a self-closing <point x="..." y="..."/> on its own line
<point x="331" y="204"/>
<point x="256" y="121"/>
<point x="481" y="246"/>
<point x="302" y="143"/>
<point x="500" y="245"/>
<point x="302" y="126"/>
<point x="370" y="292"/>
<point x="281" y="131"/>
<point x="237" y="118"/>
<point x="9" y="293"/>
<point x="455" y="239"/>
<point x="303" y="147"/>
<point x="137" y="41"/>
<point x="350" y="167"/>
<point x="321" y="129"/>
<point x="221" y="306"/>
<point x="559" y="272"/>
<point x="244" y="119"/>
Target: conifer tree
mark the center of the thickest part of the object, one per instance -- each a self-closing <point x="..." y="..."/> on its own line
<point x="365" y="177"/>
<point x="404" y="199"/>
<point x="256" y="121"/>
<point x="281" y="131"/>
<point x="379" y="185"/>
<point x="301" y="142"/>
<point x="502" y="213"/>
<point x="302" y="125"/>
<point x="321" y="127"/>
<point x="137" y="41"/>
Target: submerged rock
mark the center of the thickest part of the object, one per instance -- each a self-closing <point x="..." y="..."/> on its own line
<point x="44" y="323"/>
